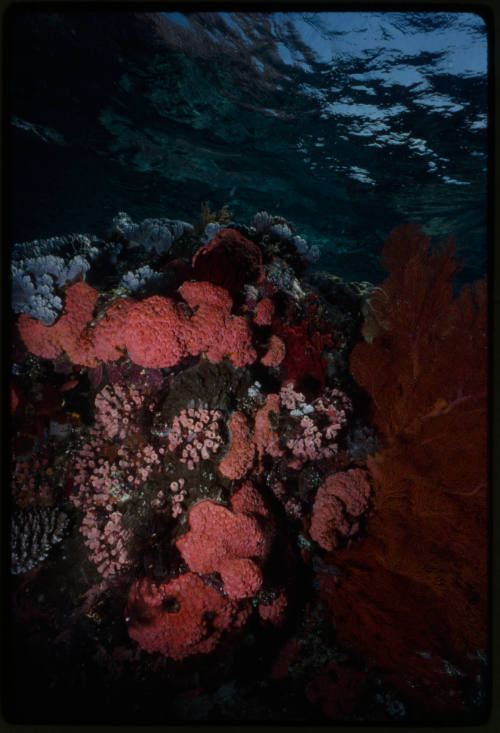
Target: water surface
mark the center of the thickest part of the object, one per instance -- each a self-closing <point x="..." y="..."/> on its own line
<point x="347" y="123"/>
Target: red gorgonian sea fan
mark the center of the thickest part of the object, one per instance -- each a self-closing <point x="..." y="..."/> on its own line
<point x="415" y="590"/>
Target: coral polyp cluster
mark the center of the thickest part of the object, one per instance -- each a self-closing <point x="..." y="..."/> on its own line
<point x="216" y="463"/>
<point x="195" y="435"/>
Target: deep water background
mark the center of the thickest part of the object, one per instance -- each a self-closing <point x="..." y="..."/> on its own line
<point x="348" y="124"/>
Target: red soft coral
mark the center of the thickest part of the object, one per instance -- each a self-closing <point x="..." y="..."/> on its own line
<point x="274" y="612"/>
<point x="156" y="332"/>
<point x="229" y="260"/>
<point x="247" y="500"/>
<point x="264" y="312"/>
<point x="305" y="342"/>
<point x="275" y="353"/>
<point x="39" y="339"/>
<point x="206" y="294"/>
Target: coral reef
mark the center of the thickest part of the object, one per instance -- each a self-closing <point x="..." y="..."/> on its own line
<point x="264" y="486"/>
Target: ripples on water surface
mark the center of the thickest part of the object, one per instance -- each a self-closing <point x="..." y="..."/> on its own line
<point x="346" y="123"/>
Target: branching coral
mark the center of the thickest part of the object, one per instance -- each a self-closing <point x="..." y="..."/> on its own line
<point x="34" y="532"/>
<point x="425" y="373"/>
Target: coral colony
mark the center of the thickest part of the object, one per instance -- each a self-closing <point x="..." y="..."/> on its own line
<point x="220" y="446"/>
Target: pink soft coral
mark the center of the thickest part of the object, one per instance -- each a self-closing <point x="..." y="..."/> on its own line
<point x="275" y="353"/>
<point x="212" y="329"/>
<point x="232" y="543"/>
<point x="110" y="332"/>
<point x="239" y="460"/>
<point x="67" y="332"/>
<point x="154" y="333"/>
<point x="172" y="618"/>
<point x="340" y="502"/>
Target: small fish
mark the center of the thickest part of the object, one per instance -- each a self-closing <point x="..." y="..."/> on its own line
<point x="71" y="384"/>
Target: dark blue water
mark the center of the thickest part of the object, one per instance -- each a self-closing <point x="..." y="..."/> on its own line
<point x="347" y="124"/>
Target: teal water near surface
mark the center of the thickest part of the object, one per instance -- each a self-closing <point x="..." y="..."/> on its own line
<point x="347" y="124"/>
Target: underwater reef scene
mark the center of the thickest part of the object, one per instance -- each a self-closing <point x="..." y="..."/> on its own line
<point x="244" y="489"/>
<point x="346" y="123"/>
<point x="246" y="391"/>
